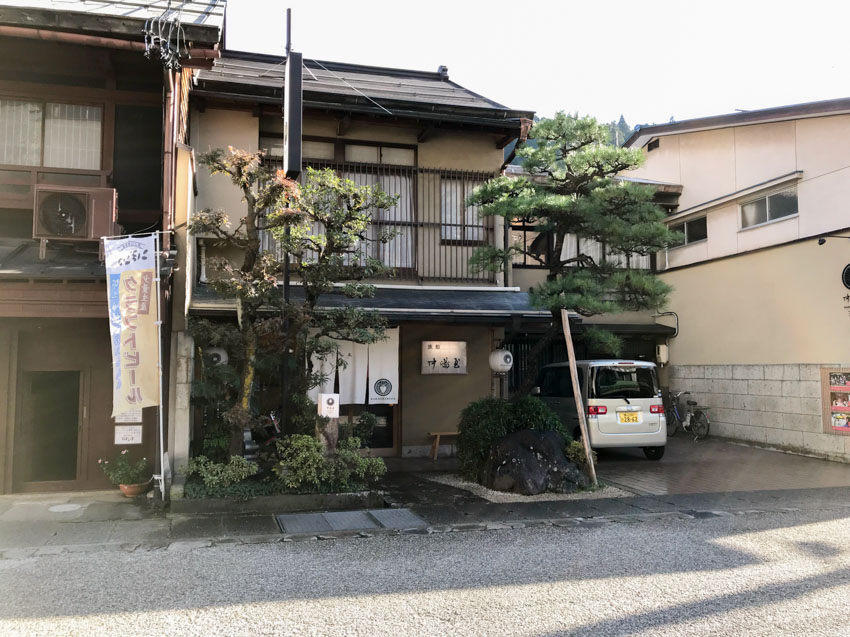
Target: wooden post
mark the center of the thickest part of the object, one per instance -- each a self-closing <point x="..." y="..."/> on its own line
<point x="582" y="423"/>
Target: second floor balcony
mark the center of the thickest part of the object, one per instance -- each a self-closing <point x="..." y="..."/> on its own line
<point x="434" y="233"/>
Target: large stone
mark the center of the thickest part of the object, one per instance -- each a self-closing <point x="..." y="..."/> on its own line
<point x="531" y="462"/>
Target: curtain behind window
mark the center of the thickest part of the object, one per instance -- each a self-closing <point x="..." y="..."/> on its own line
<point x="20" y="133"/>
<point x="72" y="136"/>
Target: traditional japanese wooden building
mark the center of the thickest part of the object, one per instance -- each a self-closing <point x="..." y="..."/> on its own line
<point x="93" y="116"/>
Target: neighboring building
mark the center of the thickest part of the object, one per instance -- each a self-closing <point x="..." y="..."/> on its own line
<point x="423" y="138"/>
<point x="763" y="316"/>
<point x="85" y="119"/>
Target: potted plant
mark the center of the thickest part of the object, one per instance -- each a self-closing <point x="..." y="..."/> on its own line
<point x="132" y="478"/>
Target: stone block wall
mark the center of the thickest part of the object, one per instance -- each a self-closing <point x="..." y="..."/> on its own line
<point x="770" y="405"/>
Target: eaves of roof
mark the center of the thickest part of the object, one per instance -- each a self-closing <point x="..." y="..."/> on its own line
<point x="643" y="134"/>
<point x="122" y="19"/>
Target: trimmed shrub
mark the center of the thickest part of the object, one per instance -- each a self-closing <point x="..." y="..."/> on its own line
<point x="486" y="421"/>
<point x="220" y="475"/>
<point x="303" y="467"/>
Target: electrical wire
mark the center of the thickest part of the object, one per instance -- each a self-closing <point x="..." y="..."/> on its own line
<point x="353" y="88"/>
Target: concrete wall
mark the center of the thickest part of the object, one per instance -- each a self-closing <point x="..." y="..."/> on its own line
<point x="434" y="402"/>
<point x="773" y="405"/>
<point x="775" y="306"/>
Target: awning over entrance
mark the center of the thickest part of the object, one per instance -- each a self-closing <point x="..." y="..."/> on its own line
<point x="465" y="305"/>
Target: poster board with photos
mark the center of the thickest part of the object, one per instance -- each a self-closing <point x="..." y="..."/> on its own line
<point x="835" y="389"/>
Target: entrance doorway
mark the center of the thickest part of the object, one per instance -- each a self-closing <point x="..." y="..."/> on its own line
<point x="49" y="433"/>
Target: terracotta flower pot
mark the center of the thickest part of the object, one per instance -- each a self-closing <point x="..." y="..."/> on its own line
<point x="133" y="490"/>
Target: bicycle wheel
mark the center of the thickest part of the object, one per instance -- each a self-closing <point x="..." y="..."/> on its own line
<point x="699" y="425"/>
<point x="672" y="423"/>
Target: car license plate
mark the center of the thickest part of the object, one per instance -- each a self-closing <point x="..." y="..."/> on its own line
<point x="628" y="418"/>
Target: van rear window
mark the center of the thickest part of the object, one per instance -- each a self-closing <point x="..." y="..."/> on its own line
<point x="625" y="382"/>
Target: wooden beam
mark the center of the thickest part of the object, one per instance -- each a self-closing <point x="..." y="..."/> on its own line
<point x="585" y="437"/>
<point x="507" y="139"/>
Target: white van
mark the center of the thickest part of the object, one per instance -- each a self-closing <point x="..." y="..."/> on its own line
<point x="621" y="398"/>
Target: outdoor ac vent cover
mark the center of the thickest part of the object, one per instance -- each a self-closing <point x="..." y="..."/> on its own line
<point x="63" y="214"/>
<point x="73" y="213"/>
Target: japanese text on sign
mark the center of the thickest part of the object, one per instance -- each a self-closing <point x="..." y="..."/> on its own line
<point x="444" y="357"/>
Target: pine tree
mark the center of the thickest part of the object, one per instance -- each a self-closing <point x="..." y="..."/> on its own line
<point x="570" y="190"/>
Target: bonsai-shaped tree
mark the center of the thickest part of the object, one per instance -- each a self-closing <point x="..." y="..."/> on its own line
<point x="327" y="243"/>
<point x="570" y="190"/>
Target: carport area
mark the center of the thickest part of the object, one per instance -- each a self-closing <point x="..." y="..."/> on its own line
<point x="714" y="466"/>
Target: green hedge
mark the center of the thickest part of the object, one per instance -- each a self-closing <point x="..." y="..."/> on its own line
<point x="486" y="421"/>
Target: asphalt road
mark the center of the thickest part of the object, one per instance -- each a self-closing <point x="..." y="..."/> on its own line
<point x="761" y="574"/>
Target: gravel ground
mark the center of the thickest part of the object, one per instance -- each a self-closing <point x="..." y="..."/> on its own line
<point x="455" y="480"/>
<point x="757" y="574"/>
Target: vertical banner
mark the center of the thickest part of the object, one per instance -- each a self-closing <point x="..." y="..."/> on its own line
<point x="131" y="265"/>
<point x="383" y="370"/>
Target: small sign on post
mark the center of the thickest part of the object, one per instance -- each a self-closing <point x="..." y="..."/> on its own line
<point x="329" y="405"/>
<point x="328" y="434"/>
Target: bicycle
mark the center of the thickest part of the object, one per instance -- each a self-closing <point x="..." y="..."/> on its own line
<point x="695" y="421"/>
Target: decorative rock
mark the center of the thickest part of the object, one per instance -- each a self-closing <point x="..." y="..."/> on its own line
<point x="531" y="462"/>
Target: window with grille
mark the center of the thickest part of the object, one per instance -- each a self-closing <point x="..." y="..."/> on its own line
<point x="50" y="134"/>
<point x="459" y="223"/>
<point x="602" y="253"/>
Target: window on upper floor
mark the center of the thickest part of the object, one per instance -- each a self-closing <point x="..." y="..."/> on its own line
<point x="534" y="245"/>
<point x="459" y="223"/>
<point x="769" y="208"/>
<point x="35" y="133"/>
<point x="691" y="231"/>
<point x="602" y="253"/>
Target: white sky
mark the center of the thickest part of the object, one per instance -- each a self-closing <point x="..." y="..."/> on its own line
<point x="648" y="60"/>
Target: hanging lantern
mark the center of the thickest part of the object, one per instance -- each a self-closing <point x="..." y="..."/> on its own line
<point x="501" y="361"/>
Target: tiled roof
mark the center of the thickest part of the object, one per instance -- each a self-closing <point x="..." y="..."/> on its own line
<point x="262" y="76"/>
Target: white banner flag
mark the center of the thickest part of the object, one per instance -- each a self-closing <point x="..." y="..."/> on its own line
<point x="131" y="267"/>
<point x="383" y="370"/>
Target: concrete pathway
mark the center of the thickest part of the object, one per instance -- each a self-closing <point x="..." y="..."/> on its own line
<point x="701" y="480"/>
<point x="713" y="466"/>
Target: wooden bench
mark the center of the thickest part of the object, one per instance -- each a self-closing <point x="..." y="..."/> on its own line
<point x="435" y="446"/>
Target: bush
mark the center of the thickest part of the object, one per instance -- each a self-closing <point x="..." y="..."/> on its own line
<point x="362" y="428"/>
<point x="575" y="454"/>
<point x="486" y="421"/>
<point x="220" y="475"/>
<point x="302" y="463"/>
<point x="122" y="471"/>
<point x="351" y="471"/>
<point x="304" y="468"/>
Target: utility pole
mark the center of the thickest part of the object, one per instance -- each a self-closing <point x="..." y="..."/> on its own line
<point x="292" y="124"/>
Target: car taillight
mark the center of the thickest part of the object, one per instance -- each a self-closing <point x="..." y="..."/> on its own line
<point x="597" y="410"/>
<point x="656" y="409"/>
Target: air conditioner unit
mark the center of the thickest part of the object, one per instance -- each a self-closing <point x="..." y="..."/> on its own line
<point x="73" y="213"/>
